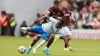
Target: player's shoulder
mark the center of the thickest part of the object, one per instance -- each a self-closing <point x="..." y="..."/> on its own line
<point x="51" y="8"/>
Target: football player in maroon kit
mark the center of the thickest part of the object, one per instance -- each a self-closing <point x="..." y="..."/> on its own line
<point x="53" y="11"/>
<point x="66" y="17"/>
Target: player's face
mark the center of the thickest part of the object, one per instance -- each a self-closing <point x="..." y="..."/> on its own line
<point x="59" y="25"/>
<point x="64" y="4"/>
<point x="56" y="5"/>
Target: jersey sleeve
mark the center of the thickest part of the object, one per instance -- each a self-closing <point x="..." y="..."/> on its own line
<point x="50" y="9"/>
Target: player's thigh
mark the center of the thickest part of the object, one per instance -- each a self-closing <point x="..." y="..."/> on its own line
<point x="68" y="37"/>
<point x="36" y="29"/>
<point x="45" y="36"/>
<point x="37" y="37"/>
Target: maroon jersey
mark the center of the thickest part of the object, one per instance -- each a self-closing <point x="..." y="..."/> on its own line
<point x="55" y="12"/>
<point x="66" y="13"/>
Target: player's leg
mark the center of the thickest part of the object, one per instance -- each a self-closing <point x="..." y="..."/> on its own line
<point x="66" y="36"/>
<point x="35" y="40"/>
<point x="50" y="41"/>
<point x="68" y="46"/>
<point x="45" y="37"/>
<point x="39" y="45"/>
<point x="38" y="30"/>
<point x="66" y="40"/>
<point x="35" y="29"/>
<point x="32" y="44"/>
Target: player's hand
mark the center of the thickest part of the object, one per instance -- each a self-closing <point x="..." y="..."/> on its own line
<point x="24" y="31"/>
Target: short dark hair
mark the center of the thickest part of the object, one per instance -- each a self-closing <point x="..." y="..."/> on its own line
<point x="3" y="12"/>
<point x="56" y="2"/>
<point x="62" y="21"/>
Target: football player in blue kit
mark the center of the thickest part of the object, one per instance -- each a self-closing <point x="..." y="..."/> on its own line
<point x="44" y="31"/>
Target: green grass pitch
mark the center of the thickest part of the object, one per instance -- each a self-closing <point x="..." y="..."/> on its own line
<point x="9" y="47"/>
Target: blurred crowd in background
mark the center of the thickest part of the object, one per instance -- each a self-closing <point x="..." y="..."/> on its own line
<point x="85" y="12"/>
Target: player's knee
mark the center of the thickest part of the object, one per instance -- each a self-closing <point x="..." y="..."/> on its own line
<point x="52" y="35"/>
<point x="35" y="40"/>
<point x="68" y="37"/>
<point x="46" y="38"/>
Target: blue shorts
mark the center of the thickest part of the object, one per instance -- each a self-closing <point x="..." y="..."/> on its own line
<point x="39" y="30"/>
